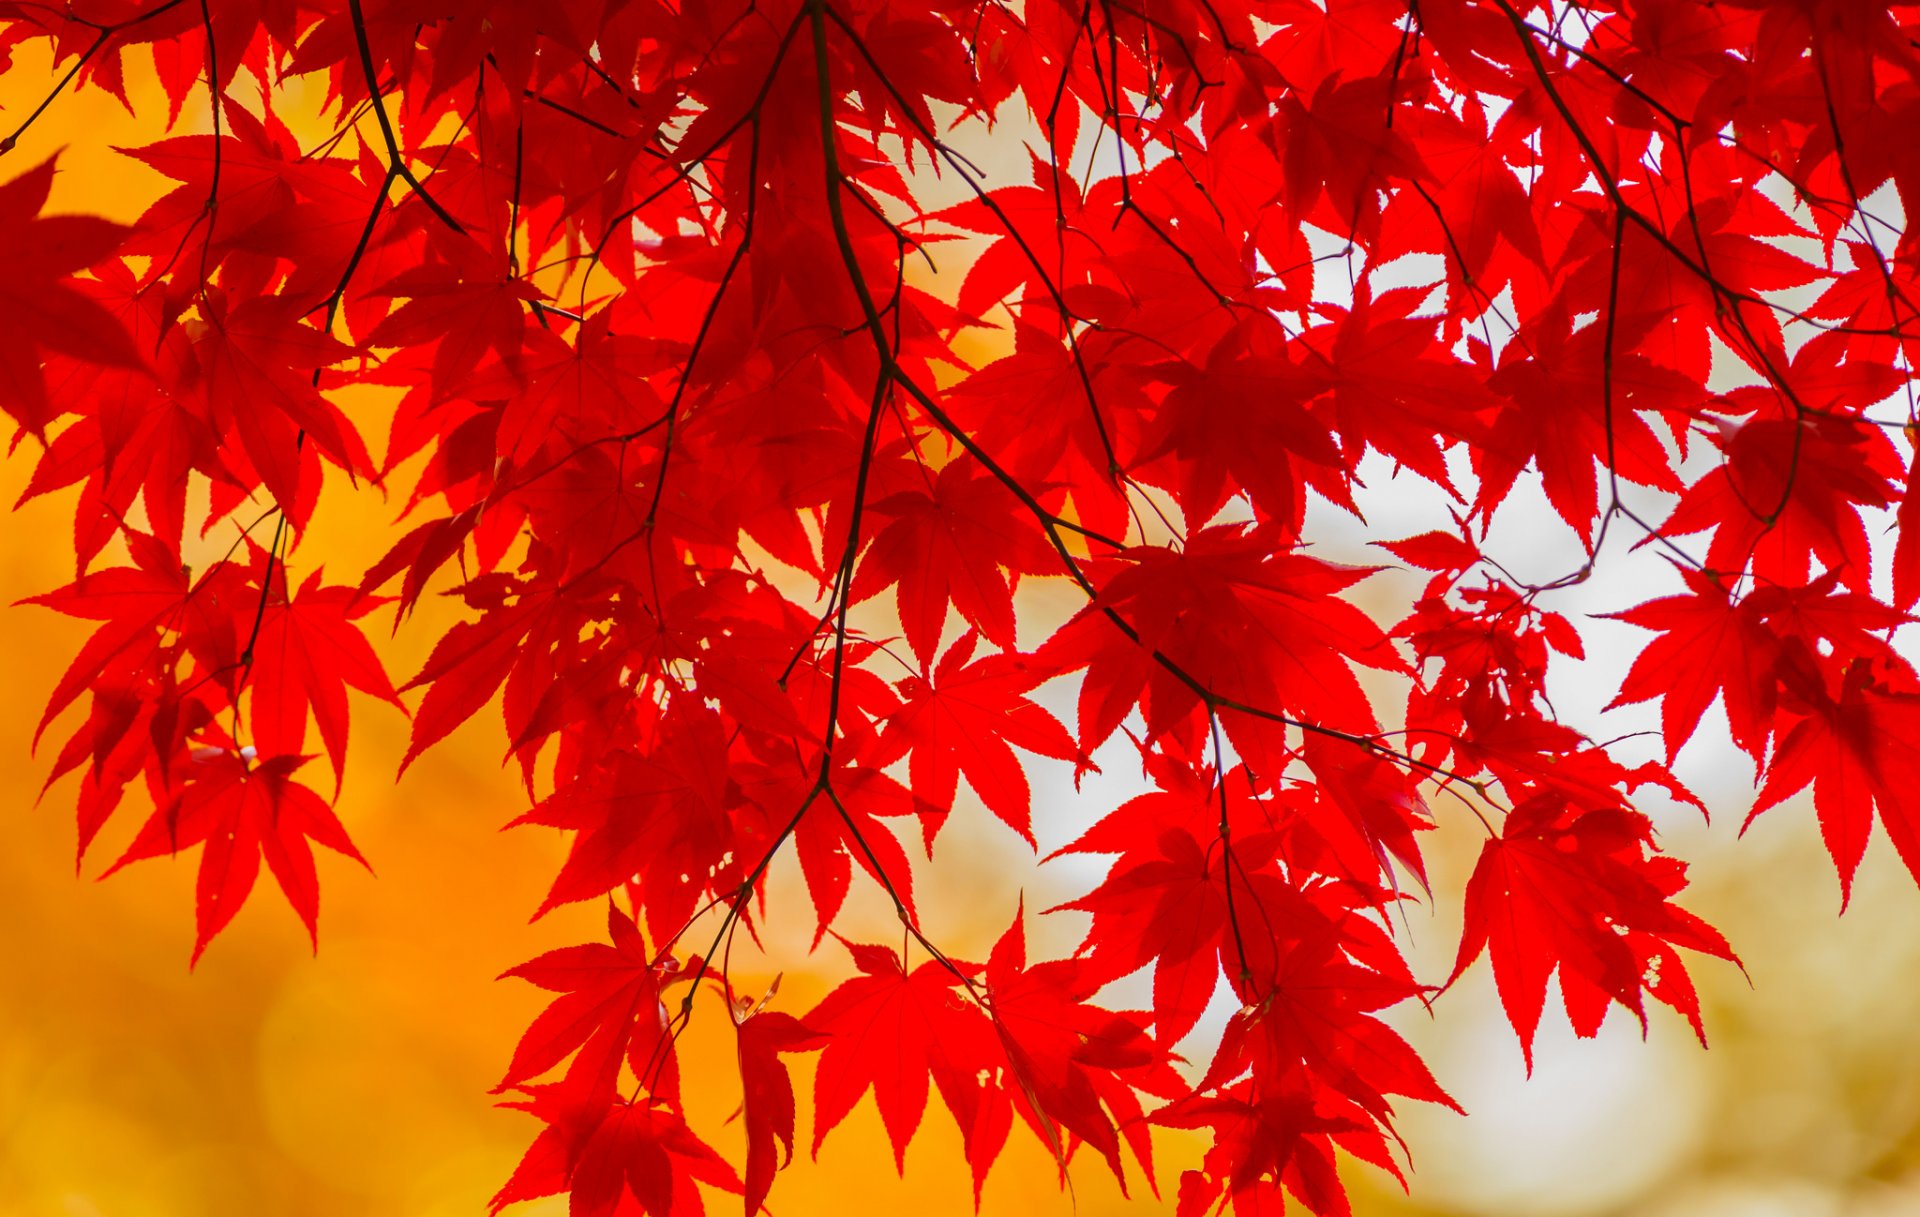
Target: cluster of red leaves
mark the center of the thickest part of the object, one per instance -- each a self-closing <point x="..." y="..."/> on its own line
<point x="642" y="279"/>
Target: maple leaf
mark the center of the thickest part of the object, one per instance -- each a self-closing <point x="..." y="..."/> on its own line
<point x="891" y="1030"/>
<point x="469" y="663"/>
<point x="1237" y="418"/>
<point x="40" y="310"/>
<point x="257" y="364"/>
<point x="1165" y="905"/>
<point x="614" y="1157"/>
<point x="132" y="438"/>
<point x="1710" y="646"/>
<point x="1906" y="553"/>
<point x="1794" y="477"/>
<point x="1262" y="1144"/>
<point x="1030" y="227"/>
<point x="138" y="607"/>
<point x="165" y="644"/>
<point x="1078" y="1066"/>
<point x="1312" y="993"/>
<point x="609" y="1010"/>
<point x="240" y="812"/>
<point x="961" y="719"/>
<point x="1389" y="388"/>
<point x="1336" y="145"/>
<point x="767" y="1102"/>
<point x="650" y="1154"/>
<point x="1244" y="623"/>
<point x="1480" y="212"/>
<point x="949" y="544"/>
<point x="1572" y="406"/>
<point x="1165" y="901"/>
<point x="1858" y="752"/>
<point x="844" y="829"/>
<point x="272" y="198"/>
<point x="1434" y="551"/>
<point x="1076" y="459"/>
<point x="306" y="653"/>
<point x="1581" y="891"/>
<point x="597" y="385"/>
<point x="467" y="305"/>
<point x="661" y="811"/>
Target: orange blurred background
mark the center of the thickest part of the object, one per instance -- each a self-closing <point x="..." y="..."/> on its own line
<point x="272" y="1081"/>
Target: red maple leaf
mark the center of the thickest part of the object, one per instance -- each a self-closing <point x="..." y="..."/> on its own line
<point x="306" y="654"/>
<point x="961" y="718"/>
<point x="767" y="1102"/>
<point x="1229" y="616"/>
<point x="1710" y="646"/>
<point x="1237" y="423"/>
<point x="1077" y="1066"/>
<point x="1858" y="751"/>
<point x="649" y="1154"/>
<point x="41" y="310"/>
<point x="241" y="811"/>
<point x="469" y="305"/>
<point x="1581" y="892"/>
<point x="257" y="366"/>
<point x="617" y="1158"/>
<point x="963" y="541"/>
<point x="1263" y="1144"/>
<point x="891" y="1031"/>
<point x="609" y="1010"/>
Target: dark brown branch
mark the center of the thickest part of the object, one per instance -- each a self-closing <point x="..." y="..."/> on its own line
<point x="396" y="159"/>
